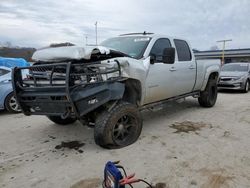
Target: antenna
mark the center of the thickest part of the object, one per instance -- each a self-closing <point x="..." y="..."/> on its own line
<point x="86" y="40"/>
<point x="96" y="33"/>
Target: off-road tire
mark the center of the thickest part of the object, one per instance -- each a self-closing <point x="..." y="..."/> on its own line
<point x="246" y="88"/>
<point x="108" y="123"/>
<point x="59" y="121"/>
<point x="208" y="97"/>
<point x="9" y="104"/>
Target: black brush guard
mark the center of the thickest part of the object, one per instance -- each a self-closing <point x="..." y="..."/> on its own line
<point x="66" y="89"/>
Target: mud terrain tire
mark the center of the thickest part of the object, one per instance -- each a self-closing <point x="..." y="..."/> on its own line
<point x="119" y="127"/>
<point x="208" y="97"/>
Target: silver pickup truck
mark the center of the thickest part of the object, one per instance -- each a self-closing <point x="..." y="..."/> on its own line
<point x="107" y="86"/>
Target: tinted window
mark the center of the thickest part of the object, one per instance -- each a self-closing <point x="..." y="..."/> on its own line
<point x="159" y="46"/>
<point x="3" y="72"/>
<point x="183" y="50"/>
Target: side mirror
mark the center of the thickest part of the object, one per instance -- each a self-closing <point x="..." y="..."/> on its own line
<point x="168" y="55"/>
<point x="152" y="59"/>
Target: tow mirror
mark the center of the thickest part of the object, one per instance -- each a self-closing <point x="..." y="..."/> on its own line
<point x="168" y="55"/>
<point x="152" y="59"/>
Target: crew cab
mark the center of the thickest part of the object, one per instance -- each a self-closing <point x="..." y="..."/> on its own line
<point x="107" y="86"/>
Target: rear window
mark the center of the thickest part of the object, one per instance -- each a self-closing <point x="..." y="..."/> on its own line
<point x="183" y="50"/>
<point x="3" y="72"/>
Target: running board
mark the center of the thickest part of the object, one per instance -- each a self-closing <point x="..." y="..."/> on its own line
<point x="195" y="94"/>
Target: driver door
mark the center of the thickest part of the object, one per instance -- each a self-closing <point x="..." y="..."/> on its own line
<point x="159" y="74"/>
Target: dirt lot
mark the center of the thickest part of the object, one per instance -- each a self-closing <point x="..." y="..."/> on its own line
<point x="182" y="145"/>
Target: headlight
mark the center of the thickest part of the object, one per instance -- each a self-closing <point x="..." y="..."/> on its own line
<point x="238" y="78"/>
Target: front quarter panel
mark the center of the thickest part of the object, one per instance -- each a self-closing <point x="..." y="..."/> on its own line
<point x="135" y="69"/>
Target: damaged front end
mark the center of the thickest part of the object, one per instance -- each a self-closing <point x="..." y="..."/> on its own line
<point x="67" y="89"/>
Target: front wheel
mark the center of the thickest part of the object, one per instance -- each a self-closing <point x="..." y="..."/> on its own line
<point x="11" y="104"/>
<point x="246" y="87"/>
<point x="118" y="127"/>
<point x="58" y="120"/>
<point x="208" y="97"/>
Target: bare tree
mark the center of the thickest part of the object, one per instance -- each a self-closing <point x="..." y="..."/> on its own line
<point x="215" y="47"/>
<point x="7" y="44"/>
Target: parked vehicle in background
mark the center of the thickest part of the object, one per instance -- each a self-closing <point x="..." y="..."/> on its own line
<point x="7" y="98"/>
<point x="108" y="85"/>
<point x="235" y="76"/>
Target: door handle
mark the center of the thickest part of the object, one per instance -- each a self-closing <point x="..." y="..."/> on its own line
<point x="191" y="67"/>
<point x="172" y="69"/>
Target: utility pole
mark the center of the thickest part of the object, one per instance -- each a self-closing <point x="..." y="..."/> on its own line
<point x="96" y="33"/>
<point x="86" y="40"/>
<point x="223" y="49"/>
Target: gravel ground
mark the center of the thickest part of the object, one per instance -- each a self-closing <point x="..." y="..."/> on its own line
<point x="181" y="145"/>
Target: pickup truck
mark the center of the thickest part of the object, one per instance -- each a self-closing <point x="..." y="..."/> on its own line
<point x="107" y="86"/>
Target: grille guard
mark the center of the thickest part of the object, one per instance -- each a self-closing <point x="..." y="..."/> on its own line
<point x="66" y="89"/>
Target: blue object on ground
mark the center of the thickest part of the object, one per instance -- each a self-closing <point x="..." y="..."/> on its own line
<point x="112" y="176"/>
<point x="13" y="62"/>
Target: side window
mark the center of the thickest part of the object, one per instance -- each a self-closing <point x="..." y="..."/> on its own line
<point x="183" y="50"/>
<point x="158" y="47"/>
<point x="3" y="72"/>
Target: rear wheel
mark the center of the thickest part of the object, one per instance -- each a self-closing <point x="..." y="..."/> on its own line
<point x="58" y="120"/>
<point x="119" y="127"/>
<point x="11" y="104"/>
<point x="208" y="97"/>
<point x="246" y="87"/>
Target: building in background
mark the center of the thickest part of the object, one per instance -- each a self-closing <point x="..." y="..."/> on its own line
<point x="232" y="55"/>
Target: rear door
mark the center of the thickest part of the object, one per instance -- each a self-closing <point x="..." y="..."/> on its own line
<point x="183" y="70"/>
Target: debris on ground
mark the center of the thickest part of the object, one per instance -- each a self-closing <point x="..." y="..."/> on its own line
<point x="52" y="137"/>
<point x="88" y="183"/>
<point x="187" y="126"/>
<point x="160" y="185"/>
<point x="76" y="145"/>
<point x="216" y="178"/>
<point x="226" y="134"/>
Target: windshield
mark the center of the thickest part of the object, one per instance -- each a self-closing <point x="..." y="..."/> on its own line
<point x="132" y="46"/>
<point x="235" y="67"/>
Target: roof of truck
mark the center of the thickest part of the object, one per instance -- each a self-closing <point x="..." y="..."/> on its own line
<point x="152" y="35"/>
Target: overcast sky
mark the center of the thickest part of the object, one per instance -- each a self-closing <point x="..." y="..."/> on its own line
<point x="38" y="23"/>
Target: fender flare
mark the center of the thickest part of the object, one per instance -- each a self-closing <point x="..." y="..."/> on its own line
<point x="212" y="69"/>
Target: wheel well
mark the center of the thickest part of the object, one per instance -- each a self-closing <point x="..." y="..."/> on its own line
<point x="132" y="93"/>
<point x="214" y="76"/>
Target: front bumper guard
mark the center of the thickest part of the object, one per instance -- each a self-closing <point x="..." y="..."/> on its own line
<point x="52" y="90"/>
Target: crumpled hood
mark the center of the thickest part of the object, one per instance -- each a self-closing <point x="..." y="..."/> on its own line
<point x="232" y="74"/>
<point x="68" y="52"/>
